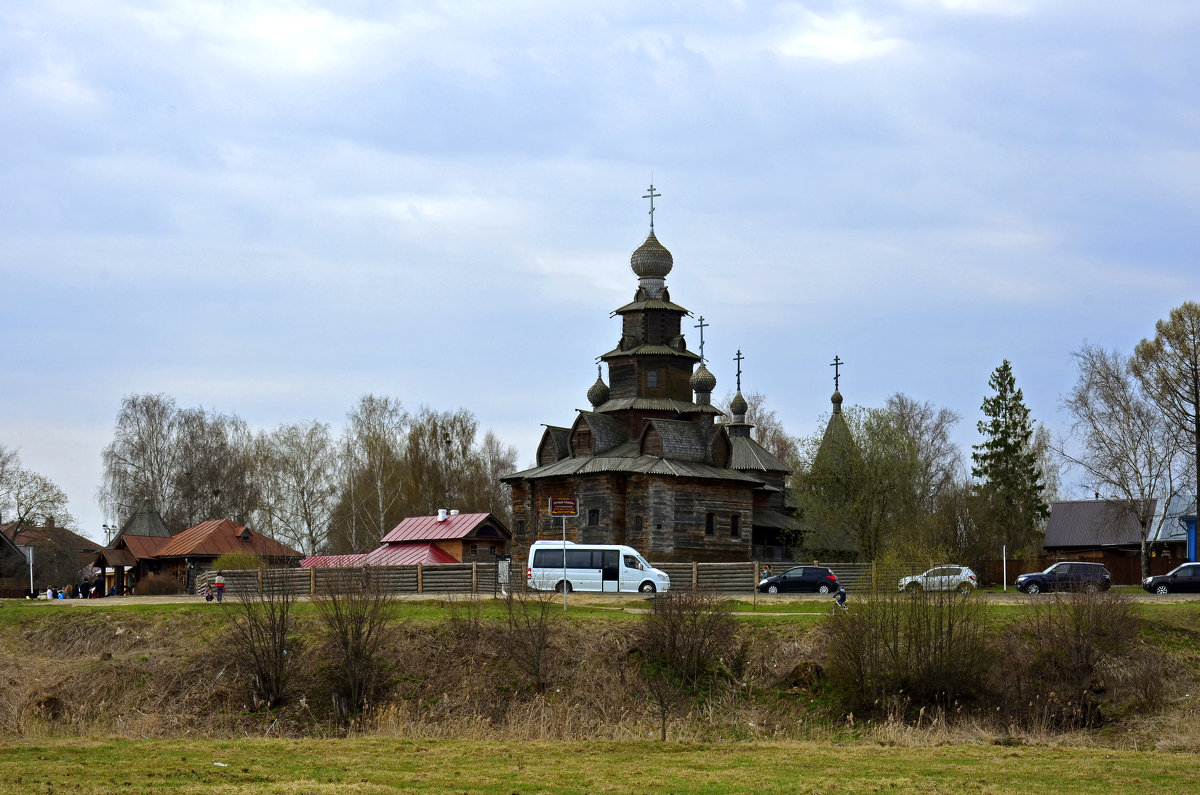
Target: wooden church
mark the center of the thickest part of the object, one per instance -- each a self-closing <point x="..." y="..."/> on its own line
<point x="649" y="464"/>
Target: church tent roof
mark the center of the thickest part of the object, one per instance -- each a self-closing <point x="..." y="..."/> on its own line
<point x="747" y="454"/>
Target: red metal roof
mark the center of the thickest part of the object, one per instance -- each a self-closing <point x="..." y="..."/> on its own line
<point x="332" y="561"/>
<point x="407" y="555"/>
<point x="142" y="547"/>
<point x="428" y="528"/>
<point x="218" y="536"/>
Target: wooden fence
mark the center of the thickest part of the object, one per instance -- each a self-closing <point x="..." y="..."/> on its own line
<point x="477" y="578"/>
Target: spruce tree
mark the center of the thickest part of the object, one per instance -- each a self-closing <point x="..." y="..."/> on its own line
<point x="1005" y="463"/>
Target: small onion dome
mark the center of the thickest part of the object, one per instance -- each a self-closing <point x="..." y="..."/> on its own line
<point x="598" y="394"/>
<point x="837" y="401"/>
<point x="738" y="406"/>
<point x="651" y="260"/>
<point x="702" y="380"/>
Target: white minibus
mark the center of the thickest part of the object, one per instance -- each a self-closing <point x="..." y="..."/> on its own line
<point x="605" y="568"/>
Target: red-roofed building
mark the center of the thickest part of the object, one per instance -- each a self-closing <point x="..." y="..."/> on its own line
<point x="463" y="537"/>
<point x="332" y="561"/>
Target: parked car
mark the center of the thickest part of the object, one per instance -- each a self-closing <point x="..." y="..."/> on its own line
<point x="942" y="578"/>
<point x="800" y="579"/>
<point x="1182" y="579"/>
<point x="1066" y="576"/>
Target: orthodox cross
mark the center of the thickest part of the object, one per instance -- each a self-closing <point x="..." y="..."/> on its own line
<point x="651" y="196"/>
<point x="738" y="359"/>
<point x="701" y="325"/>
<point x="836" y="364"/>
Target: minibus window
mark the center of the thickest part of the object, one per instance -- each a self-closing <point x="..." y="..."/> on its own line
<point x="632" y="563"/>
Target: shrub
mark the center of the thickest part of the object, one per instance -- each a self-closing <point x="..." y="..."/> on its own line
<point x="685" y="643"/>
<point x="534" y="619"/>
<point x="359" y="621"/>
<point x="237" y="561"/>
<point x="930" y="647"/>
<point x="262" y="633"/>
<point x="159" y="585"/>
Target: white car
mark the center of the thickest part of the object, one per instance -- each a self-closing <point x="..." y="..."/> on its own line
<point x="942" y="578"/>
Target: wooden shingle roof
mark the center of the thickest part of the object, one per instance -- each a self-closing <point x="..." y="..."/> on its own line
<point x="1092" y="523"/>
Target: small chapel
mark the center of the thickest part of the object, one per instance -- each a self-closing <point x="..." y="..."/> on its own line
<point x="653" y="464"/>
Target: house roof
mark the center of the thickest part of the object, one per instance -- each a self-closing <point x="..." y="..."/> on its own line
<point x="630" y="464"/>
<point x="407" y="555"/>
<point x="1092" y="523"/>
<point x="219" y="536"/>
<point x="455" y="526"/>
<point x="747" y="454"/>
<point x="28" y="535"/>
<point x="146" y="521"/>
<point x="141" y="547"/>
<point x="332" y="561"/>
<point x="115" y="558"/>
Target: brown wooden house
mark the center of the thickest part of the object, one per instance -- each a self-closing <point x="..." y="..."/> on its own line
<point x="648" y="464"/>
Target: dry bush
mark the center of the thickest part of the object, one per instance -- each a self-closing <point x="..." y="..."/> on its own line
<point x="159" y="585"/>
<point x="237" y="561"/>
<point x="1074" y="658"/>
<point x="929" y="647"/>
<point x="684" y="644"/>
<point x="359" y="622"/>
<point x="534" y="619"/>
<point x="262" y="633"/>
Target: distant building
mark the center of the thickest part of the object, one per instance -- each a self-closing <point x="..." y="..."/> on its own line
<point x="1080" y="526"/>
<point x="448" y="537"/>
<point x="58" y="553"/>
<point x="648" y="464"/>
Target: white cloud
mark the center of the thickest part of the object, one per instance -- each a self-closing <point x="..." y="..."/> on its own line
<point x="840" y="38"/>
<point x="58" y="84"/>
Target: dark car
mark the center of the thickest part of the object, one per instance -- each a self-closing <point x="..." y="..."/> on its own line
<point x="1066" y="576"/>
<point x="801" y="579"/>
<point x="1183" y="579"/>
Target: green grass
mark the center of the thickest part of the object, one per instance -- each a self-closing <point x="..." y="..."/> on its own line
<point x="380" y="765"/>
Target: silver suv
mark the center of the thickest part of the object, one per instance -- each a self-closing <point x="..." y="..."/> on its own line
<point x="942" y="578"/>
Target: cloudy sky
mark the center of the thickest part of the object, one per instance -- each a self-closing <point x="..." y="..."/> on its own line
<point x="272" y="208"/>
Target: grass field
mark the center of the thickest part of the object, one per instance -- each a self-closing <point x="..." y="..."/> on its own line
<point x="378" y="765"/>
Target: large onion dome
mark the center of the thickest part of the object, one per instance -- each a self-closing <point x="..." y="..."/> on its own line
<point x="599" y="392"/>
<point x="703" y="381"/>
<point x="651" y="260"/>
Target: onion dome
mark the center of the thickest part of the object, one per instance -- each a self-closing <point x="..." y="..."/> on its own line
<point x="702" y="380"/>
<point x="651" y="260"/>
<point x="598" y="394"/>
<point x="836" y="398"/>
<point x="737" y="406"/>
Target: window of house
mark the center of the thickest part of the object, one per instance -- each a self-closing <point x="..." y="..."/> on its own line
<point x="520" y="528"/>
<point x="735" y="529"/>
<point x="710" y="523"/>
<point x="652" y="379"/>
<point x="638" y="524"/>
<point x="593" y="517"/>
<point x="474" y="550"/>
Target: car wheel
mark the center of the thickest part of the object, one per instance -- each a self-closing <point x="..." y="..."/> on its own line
<point x="647" y="587"/>
<point x="913" y="587"/>
<point x="823" y="589"/>
<point x="1092" y="587"/>
<point x="1162" y="590"/>
<point x="1033" y="589"/>
<point x="559" y="587"/>
<point x="772" y="588"/>
<point x="964" y="588"/>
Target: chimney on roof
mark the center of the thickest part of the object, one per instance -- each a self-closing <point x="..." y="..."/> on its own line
<point x="49" y="521"/>
<point x="454" y="512"/>
<point x="441" y="514"/>
<point x="1097" y="494"/>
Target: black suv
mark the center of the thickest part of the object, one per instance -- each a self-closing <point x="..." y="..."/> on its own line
<point x="1066" y="576"/>
<point x="801" y="579"/>
<point x="1184" y="579"/>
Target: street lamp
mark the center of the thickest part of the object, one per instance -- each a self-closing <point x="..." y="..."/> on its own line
<point x="109" y="532"/>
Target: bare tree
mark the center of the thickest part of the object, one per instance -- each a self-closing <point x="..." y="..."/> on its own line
<point x="939" y="460"/>
<point x="140" y="461"/>
<point x="685" y="643"/>
<point x="10" y="464"/>
<point x="34" y="496"/>
<point x="359" y="619"/>
<point x="297" y="469"/>
<point x="373" y="471"/>
<point x="214" y="469"/>
<point x="262" y="636"/>
<point x="534" y="621"/>
<point x="1128" y="450"/>
<point x="1168" y="368"/>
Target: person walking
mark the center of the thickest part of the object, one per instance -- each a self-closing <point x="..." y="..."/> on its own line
<point x="219" y="584"/>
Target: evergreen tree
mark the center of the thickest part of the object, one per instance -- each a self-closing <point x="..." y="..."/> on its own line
<point x="1011" y="488"/>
